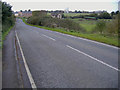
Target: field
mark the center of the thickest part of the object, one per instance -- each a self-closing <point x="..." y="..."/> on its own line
<point x="72" y="14"/>
<point x="89" y="25"/>
<point x="75" y="14"/>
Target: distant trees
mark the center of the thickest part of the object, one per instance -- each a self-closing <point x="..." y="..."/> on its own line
<point x="104" y="15"/>
<point x="113" y="14"/>
<point x="29" y="10"/>
<point x="39" y="13"/>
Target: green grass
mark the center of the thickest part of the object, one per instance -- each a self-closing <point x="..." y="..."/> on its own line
<point x="88" y="25"/>
<point x="72" y="14"/>
<point x="75" y="14"/>
<point x="97" y="37"/>
<point x="4" y="35"/>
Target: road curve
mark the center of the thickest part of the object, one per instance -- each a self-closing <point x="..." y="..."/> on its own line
<point x="57" y="60"/>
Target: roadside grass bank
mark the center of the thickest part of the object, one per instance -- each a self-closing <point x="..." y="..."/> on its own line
<point x="4" y="34"/>
<point x="96" y="37"/>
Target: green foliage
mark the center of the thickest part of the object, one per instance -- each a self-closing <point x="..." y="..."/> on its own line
<point x="55" y="22"/>
<point x="39" y="13"/>
<point x="93" y="15"/>
<point x="113" y="27"/>
<point x="96" y="37"/>
<point x="104" y="15"/>
<point x="100" y="26"/>
<point x="6" y="11"/>
<point x="8" y="19"/>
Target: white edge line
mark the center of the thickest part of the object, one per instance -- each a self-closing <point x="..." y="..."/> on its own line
<point x="15" y="52"/>
<point x="26" y="66"/>
<point x="89" y="40"/>
<point x="94" y="58"/>
<point x="49" y="37"/>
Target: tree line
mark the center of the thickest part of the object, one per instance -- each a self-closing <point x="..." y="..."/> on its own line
<point x="8" y="18"/>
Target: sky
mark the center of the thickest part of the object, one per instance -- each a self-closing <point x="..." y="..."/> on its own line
<point x="87" y="5"/>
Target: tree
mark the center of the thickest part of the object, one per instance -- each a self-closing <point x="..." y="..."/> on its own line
<point x="94" y="15"/>
<point x="29" y="10"/>
<point x="6" y="11"/>
<point x="116" y="12"/>
<point x="25" y="10"/>
<point x="112" y="13"/>
<point x="104" y="15"/>
<point x="75" y="11"/>
<point x="7" y="16"/>
<point x="100" y="26"/>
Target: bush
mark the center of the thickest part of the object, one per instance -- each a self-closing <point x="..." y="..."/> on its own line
<point x="100" y="26"/>
<point x="113" y="26"/>
<point x="8" y="19"/>
<point x="104" y="15"/>
<point x="55" y="22"/>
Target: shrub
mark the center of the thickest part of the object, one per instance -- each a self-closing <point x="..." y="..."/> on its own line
<point x="100" y="26"/>
<point x="55" y="22"/>
<point x="8" y="19"/>
<point x="113" y="26"/>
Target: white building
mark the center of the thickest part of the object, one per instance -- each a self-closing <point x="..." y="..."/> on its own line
<point x="66" y="10"/>
<point x="119" y="6"/>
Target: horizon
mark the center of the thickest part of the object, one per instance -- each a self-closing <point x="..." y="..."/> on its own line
<point x="79" y="6"/>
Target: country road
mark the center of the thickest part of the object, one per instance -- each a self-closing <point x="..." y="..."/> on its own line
<point x="55" y="60"/>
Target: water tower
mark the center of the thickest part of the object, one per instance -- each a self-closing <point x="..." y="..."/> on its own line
<point x="67" y="10"/>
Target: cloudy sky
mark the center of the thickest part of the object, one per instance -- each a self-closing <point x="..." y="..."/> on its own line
<point x="87" y="5"/>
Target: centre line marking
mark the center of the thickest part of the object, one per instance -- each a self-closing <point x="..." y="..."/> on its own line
<point x="49" y="37"/>
<point x="94" y="58"/>
<point x="26" y="66"/>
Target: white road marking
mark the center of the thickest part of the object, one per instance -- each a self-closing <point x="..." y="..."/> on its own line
<point x="89" y="40"/>
<point x="93" y="58"/>
<point x="26" y="66"/>
<point x="49" y="37"/>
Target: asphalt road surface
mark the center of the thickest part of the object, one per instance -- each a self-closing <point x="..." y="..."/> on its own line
<point x="56" y="60"/>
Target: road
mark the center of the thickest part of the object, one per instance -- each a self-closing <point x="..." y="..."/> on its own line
<point x="56" y="60"/>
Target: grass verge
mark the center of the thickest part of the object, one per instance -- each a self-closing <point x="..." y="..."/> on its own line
<point x="96" y="37"/>
<point x="4" y="35"/>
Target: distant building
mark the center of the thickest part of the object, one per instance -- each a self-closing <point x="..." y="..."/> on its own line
<point x="25" y="14"/>
<point x="56" y="15"/>
<point x="66" y="10"/>
<point x="119" y="6"/>
<point x="16" y="14"/>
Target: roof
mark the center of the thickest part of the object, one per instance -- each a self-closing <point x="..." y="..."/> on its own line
<point x="26" y="11"/>
<point x="15" y="12"/>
